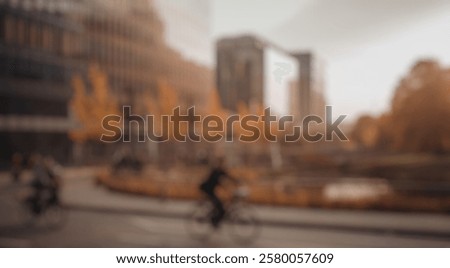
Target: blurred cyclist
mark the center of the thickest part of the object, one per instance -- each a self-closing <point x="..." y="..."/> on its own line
<point x="209" y="186"/>
<point x="45" y="183"/>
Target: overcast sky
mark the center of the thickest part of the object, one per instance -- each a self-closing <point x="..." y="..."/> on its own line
<point x="366" y="45"/>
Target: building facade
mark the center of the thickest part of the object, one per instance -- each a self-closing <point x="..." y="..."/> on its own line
<point x="43" y="44"/>
<point x="240" y="71"/>
<point x="123" y="38"/>
<point x="127" y="39"/>
<point x="40" y="49"/>
<point x="311" y="84"/>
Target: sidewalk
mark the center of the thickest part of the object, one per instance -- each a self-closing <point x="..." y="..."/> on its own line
<point x="81" y="194"/>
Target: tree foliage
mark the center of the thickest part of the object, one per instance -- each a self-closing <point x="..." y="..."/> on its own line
<point x="91" y="106"/>
<point x="418" y="120"/>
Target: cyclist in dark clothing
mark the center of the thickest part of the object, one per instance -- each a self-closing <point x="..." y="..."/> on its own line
<point x="209" y="187"/>
<point x="45" y="184"/>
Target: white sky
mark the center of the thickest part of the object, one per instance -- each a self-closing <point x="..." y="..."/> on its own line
<point x="277" y="88"/>
<point x="366" y="45"/>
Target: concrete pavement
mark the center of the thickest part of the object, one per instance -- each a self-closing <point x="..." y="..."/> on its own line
<point x="101" y="218"/>
<point x="81" y="194"/>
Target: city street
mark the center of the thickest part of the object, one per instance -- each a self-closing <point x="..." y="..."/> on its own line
<point x="100" y="218"/>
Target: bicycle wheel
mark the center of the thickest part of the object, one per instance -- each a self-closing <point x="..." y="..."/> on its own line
<point x="25" y="215"/>
<point x="54" y="216"/>
<point x="198" y="224"/>
<point x="244" y="227"/>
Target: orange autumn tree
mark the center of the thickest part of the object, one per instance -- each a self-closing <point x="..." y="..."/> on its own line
<point x="259" y="110"/>
<point x="417" y="120"/>
<point x="214" y="107"/>
<point x="167" y="102"/>
<point x="366" y="131"/>
<point x="90" y="108"/>
<point x="244" y="110"/>
<point x="151" y="106"/>
<point x="421" y="109"/>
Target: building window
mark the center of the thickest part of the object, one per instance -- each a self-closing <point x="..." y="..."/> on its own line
<point x="2" y="28"/>
<point x="59" y="42"/>
<point x="65" y="43"/>
<point x="34" y="36"/>
<point x="21" y="32"/>
<point x="47" y="38"/>
<point x="9" y="29"/>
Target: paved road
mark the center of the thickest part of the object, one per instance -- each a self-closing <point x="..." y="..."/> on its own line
<point x="100" y="218"/>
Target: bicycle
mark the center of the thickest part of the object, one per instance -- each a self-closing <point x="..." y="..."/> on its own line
<point x="45" y="211"/>
<point x="240" y="219"/>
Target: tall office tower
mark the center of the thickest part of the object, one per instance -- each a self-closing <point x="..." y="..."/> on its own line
<point x="255" y="73"/>
<point x="311" y="85"/>
<point x="239" y="74"/>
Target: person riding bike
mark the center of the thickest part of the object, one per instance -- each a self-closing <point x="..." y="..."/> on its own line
<point x="45" y="184"/>
<point x="216" y="176"/>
